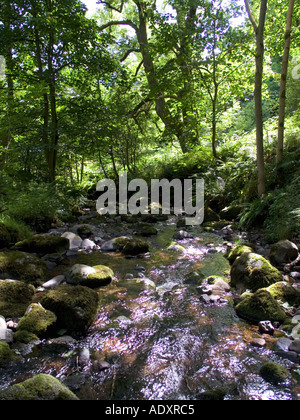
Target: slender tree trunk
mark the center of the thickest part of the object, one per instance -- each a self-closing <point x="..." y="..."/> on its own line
<point x="282" y="98"/>
<point x="45" y="129"/>
<point x="53" y="145"/>
<point x="8" y="137"/>
<point x="260" y="49"/>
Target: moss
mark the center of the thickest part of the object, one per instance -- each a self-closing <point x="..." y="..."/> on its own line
<point x="274" y="373"/>
<point x="147" y="230"/>
<point x="214" y="264"/>
<point x="25" y="337"/>
<point x="15" y="296"/>
<point x="75" y="306"/>
<point x="237" y="252"/>
<point x="39" y="388"/>
<point x="18" y="231"/>
<point x="131" y="246"/>
<point x="260" y="306"/>
<point x="7" y="356"/>
<point x="37" y="320"/>
<point x="121" y="242"/>
<point x="22" y="266"/>
<point x="253" y="272"/>
<point x="93" y="277"/>
<point x="285" y="292"/>
<point x="5" y="237"/>
<point x="43" y="244"/>
<point x="102" y="277"/>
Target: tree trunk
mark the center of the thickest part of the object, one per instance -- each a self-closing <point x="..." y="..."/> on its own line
<point x="52" y="157"/>
<point x="5" y="141"/>
<point x="174" y="124"/>
<point x="260" y="49"/>
<point x="282" y="98"/>
<point x="45" y="130"/>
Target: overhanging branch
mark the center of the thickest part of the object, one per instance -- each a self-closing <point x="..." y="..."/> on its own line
<point x="117" y="23"/>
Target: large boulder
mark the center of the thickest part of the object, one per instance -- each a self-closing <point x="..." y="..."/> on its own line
<point x="283" y="252"/>
<point x="85" y="275"/>
<point x="260" y="306"/>
<point x="43" y="244"/>
<point x="39" y="388"/>
<point x="75" y="307"/>
<point x="252" y="271"/>
<point x="15" y="296"/>
<point x="37" y="320"/>
<point x="22" y="266"/>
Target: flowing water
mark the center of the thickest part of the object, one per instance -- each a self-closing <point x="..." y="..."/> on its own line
<point x="153" y="337"/>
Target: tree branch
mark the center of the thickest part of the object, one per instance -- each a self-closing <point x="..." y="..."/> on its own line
<point x="112" y="7"/>
<point x="127" y="54"/>
<point x="251" y="17"/>
<point x="118" y="22"/>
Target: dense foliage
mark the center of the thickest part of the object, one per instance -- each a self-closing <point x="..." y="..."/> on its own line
<point x="159" y="89"/>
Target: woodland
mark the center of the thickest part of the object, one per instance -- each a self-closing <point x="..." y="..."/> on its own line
<point x="143" y="306"/>
<point x="159" y="89"/>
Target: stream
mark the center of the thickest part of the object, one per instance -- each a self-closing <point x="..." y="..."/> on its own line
<point x="154" y="338"/>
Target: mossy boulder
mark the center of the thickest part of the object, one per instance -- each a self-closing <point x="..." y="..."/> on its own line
<point x="22" y="266"/>
<point x="283" y="252"/>
<point x="7" y="355"/>
<point x="43" y="244"/>
<point x="37" y="320"/>
<point x="25" y="337"/>
<point x="285" y="292"/>
<point x="75" y="307"/>
<point x="93" y="277"/>
<point x="274" y="373"/>
<point x="237" y="251"/>
<point x="15" y="296"/>
<point x="5" y="237"/>
<point x="130" y="246"/>
<point x="39" y="388"/>
<point x="252" y="271"/>
<point x="260" y="306"/>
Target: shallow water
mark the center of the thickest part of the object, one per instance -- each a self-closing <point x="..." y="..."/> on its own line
<point x="159" y="341"/>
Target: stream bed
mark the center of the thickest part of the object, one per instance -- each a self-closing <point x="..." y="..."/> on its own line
<point x="154" y="338"/>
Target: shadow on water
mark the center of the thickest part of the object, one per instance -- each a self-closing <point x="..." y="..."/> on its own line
<point x="154" y="339"/>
